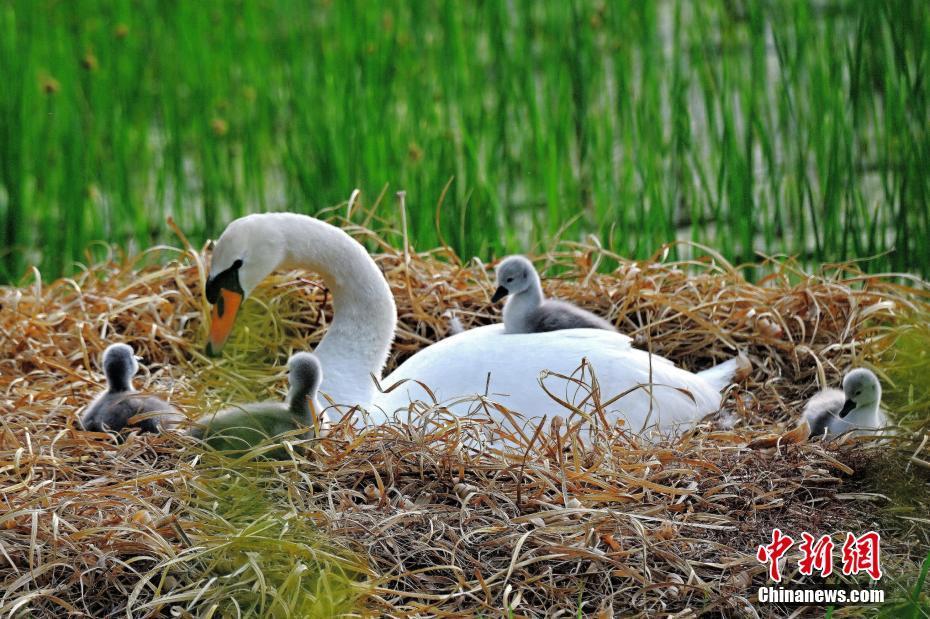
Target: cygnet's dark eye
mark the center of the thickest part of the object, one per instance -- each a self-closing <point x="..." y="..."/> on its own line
<point x="509" y="279"/>
<point x="237" y="264"/>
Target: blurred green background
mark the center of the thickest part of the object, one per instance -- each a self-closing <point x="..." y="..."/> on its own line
<point x="781" y="127"/>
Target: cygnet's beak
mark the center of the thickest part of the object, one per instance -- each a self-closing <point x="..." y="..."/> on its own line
<point x="848" y="407"/>
<point x="499" y="294"/>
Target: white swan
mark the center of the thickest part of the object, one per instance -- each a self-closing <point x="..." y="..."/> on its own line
<point x="480" y="361"/>
<point x="855" y="409"/>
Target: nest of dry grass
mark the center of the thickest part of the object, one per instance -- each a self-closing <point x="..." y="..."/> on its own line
<point x="141" y="527"/>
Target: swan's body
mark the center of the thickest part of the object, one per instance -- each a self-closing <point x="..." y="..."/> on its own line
<point x="116" y="407"/>
<point x="357" y="342"/>
<point x="460" y="366"/>
<point x="247" y="425"/>
<point x="528" y="310"/>
<point x="856" y="409"/>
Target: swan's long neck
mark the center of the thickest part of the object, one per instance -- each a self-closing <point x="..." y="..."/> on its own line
<point x="519" y="306"/>
<point x="357" y="341"/>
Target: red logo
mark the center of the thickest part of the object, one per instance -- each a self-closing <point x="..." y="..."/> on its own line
<point x="817" y="555"/>
<point x="860" y="554"/>
<point x="773" y="552"/>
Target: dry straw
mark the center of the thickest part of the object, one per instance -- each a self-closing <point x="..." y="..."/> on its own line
<point x="421" y="519"/>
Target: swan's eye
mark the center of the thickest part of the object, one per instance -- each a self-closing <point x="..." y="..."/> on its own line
<point x="509" y="280"/>
<point x="237" y="264"/>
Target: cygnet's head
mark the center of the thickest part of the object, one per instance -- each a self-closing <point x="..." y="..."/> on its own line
<point x="249" y="249"/>
<point x="515" y="274"/>
<point x="304" y="373"/>
<point x="862" y="388"/>
<point x="119" y="366"/>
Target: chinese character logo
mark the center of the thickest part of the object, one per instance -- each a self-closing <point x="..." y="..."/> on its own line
<point x="817" y="555"/>
<point x="773" y="552"/>
<point x="859" y="554"/>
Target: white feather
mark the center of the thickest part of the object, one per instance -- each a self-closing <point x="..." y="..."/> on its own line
<point x="507" y="368"/>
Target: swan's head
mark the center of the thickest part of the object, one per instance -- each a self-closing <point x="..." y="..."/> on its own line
<point x="119" y="366"/>
<point x="246" y="253"/>
<point x="514" y="275"/>
<point x="862" y="389"/>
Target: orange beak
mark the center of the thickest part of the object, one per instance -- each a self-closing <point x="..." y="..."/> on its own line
<point x="222" y="319"/>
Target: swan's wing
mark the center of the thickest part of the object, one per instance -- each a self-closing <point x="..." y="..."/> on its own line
<point x="722" y="375"/>
<point x="508" y="369"/>
<point x="488" y="334"/>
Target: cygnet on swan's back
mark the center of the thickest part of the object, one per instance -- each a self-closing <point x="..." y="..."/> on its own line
<point x="528" y="311"/>
<point x="856" y="409"/>
<point x="245" y="426"/>
<point x="114" y="409"/>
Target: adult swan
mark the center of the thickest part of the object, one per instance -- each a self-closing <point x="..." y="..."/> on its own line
<point x="505" y="368"/>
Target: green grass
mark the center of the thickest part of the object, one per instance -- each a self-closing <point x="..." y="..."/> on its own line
<point x="906" y="364"/>
<point x="910" y="604"/>
<point x="783" y="127"/>
<point x="255" y="554"/>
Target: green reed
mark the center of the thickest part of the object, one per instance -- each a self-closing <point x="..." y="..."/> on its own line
<point x="780" y="127"/>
